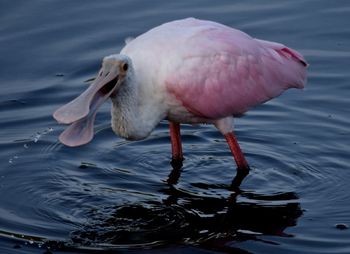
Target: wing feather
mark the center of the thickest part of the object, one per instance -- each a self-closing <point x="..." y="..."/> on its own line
<point x="225" y="72"/>
<point x="214" y="70"/>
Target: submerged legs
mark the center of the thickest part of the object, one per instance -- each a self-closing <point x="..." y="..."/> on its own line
<point x="236" y="151"/>
<point x="177" y="156"/>
<point x="175" y="137"/>
<point x="242" y="165"/>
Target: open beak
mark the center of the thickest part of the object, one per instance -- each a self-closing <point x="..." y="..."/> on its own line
<point x="81" y="111"/>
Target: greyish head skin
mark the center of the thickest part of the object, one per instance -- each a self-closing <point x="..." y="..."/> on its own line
<point x="81" y="112"/>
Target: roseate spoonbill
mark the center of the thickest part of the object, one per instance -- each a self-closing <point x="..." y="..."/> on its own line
<point x="186" y="71"/>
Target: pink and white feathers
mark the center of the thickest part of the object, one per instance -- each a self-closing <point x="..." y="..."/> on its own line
<point x="186" y="71"/>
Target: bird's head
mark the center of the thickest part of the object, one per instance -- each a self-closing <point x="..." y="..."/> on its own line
<point x="114" y="68"/>
<point x="81" y="111"/>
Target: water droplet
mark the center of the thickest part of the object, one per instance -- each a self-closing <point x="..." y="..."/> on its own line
<point x="25" y="146"/>
<point x="12" y="160"/>
<point x="36" y="137"/>
<point x="341" y="226"/>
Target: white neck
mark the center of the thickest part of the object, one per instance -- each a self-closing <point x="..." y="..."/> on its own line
<point x="135" y="112"/>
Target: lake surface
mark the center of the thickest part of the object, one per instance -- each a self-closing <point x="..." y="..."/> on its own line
<point x="116" y="195"/>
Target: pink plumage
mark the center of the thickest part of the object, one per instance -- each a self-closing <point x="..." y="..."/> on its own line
<point x="185" y="71"/>
<point x="217" y="71"/>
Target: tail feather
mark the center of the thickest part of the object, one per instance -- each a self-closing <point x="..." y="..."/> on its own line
<point x="282" y="49"/>
<point x="294" y="70"/>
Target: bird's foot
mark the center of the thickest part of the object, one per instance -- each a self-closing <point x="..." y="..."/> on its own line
<point x="240" y="175"/>
<point x="176" y="172"/>
<point x="176" y="163"/>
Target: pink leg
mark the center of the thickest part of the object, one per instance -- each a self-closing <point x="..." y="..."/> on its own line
<point x="175" y="137"/>
<point x="242" y="165"/>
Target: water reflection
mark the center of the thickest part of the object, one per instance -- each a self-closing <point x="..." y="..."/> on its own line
<point x="181" y="215"/>
<point x="184" y="217"/>
<point x="176" y="173"/>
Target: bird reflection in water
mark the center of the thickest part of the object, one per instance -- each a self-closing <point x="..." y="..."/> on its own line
<point x="189" y="218"/>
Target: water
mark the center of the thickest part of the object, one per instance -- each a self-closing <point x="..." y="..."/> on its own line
<point x="118" y="195"/>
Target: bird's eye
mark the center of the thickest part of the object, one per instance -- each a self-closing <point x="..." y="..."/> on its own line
<point x="125" y="67"/>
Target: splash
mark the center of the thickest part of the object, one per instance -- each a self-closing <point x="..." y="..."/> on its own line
<point x="27" y="143"/>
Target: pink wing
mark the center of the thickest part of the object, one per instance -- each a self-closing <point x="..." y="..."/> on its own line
<point x="224" y="71"/>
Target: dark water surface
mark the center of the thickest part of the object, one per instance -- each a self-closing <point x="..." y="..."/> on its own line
<point x="117" y="195"/>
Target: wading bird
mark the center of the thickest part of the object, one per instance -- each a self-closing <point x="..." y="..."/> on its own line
<point x="186" y="71"/>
